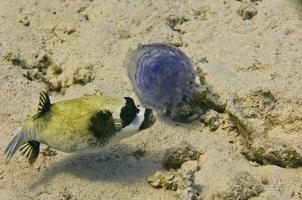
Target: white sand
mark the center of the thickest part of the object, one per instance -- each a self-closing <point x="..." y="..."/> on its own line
<point x="67" y="44"/>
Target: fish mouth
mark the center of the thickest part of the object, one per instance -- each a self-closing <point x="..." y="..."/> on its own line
<point x="149" y="119"/>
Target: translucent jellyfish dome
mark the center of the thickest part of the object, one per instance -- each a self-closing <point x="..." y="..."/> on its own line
<point x="161" y="75"/>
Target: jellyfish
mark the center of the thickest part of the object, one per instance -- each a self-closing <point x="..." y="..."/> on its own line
<point x="162" y="75"/>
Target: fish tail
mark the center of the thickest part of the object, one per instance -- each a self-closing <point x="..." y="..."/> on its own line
<point x="24" y="141"/>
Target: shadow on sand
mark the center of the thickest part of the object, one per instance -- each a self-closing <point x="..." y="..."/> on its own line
<point x="298" y="4"/>
<point x="120" y="163"/>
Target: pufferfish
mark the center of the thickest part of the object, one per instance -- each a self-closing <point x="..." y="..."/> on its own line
<point x="79" y="125"/>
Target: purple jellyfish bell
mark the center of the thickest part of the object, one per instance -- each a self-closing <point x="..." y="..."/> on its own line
<point x="161" y="74"/>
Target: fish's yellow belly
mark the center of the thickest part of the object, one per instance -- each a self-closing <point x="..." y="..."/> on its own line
<point x="70" y="142"/>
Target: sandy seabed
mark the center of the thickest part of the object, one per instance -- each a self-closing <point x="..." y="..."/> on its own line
<point x="248" y="55"/>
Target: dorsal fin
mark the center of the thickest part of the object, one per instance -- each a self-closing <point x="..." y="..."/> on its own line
<point x="44" y="104"/>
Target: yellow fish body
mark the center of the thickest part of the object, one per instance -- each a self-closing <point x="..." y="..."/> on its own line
<point x="78" y="125"/>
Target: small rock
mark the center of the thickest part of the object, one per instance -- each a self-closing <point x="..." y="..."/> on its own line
<point x="174" y="22"/>
<point x="193" y="107"/>
<point x="124" y="34"/>
<point x="176" y="156"/>
<point x="15" y="59"/>
<point x="182" y="112"/>
<point x="247" y="11"/>
<point x="212" y="119"/>
<point x="42" y="194"/>
<point x="188" y="190"/>
<point x="254" y="164"/>
<point x="65" y="195"/>
<point x="160" y="180"/>
<point x="49" y="152"/>
<point x="42" y="61"/>
<point x="244" y="186"/>
<point x="264" y="180"/>
<point x="24" y="20"/>
<point x="54" y="84"/>
<point x="139" y="153"/>
<point x="288" y="31"/>
<point x="273" y="151"/>
<point x="69" y="31"/>
<point x="189" y="166"/>
<point x="55" y="69"/>
<point x="181" y="181"/>
<point x="203" y="60"/>
<point x="83" y="75"/>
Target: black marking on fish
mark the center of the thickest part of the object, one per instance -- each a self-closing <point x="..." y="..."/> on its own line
<point x="128" y="112"/>
<point x="102" y="125"/>
<point x="44" y="104"/>
<point x="31" y="151"/>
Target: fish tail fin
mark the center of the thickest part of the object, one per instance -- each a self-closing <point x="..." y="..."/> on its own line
<point x="23" y="140"/>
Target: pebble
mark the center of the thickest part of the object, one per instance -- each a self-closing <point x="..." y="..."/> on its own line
<point x="247" y="11"/>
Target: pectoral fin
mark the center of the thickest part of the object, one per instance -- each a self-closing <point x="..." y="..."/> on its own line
<point x="31" y="150"/>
